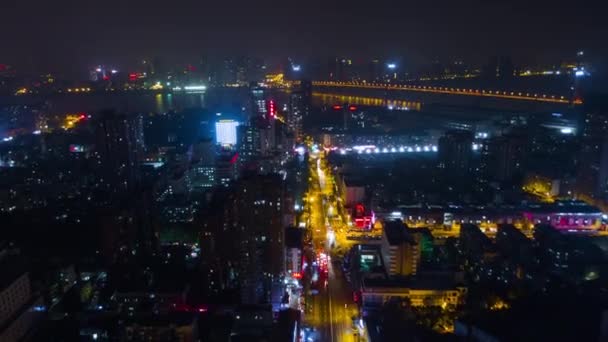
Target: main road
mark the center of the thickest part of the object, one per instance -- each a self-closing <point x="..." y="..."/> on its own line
<point x="333" y="307"/>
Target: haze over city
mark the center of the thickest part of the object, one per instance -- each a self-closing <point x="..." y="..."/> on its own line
<point x="58" y="35"/>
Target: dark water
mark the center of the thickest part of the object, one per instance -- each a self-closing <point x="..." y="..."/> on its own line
<point x="216" y="99"/>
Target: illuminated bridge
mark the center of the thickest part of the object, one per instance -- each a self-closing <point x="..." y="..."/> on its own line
<point x="481" y="93"/>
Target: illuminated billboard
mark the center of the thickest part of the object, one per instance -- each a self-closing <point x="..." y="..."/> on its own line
<point x="225" y="132"/>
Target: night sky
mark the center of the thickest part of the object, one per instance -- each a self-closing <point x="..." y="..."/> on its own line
<point x="64" y="35"/>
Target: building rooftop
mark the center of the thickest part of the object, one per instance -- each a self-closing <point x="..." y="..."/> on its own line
<point x="431" y="281"/>
<point x="396" y="233"/>
<point x="293" y="237"/>
<point x="565" y="207"/>
<point x="12" y="267"/>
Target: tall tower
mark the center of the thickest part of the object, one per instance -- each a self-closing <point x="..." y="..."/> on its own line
<point x="455" y="151"/>
<point x="119" y="144"/>
<point x="260" y="202"/>
<point x="592" y="180"/>
<point x="299" y="109"/>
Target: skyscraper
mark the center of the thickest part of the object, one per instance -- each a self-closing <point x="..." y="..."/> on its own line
<point x="455" y="151"/>
<point x="260" y="203"/>
<point x="119" y="146"/>
<point x="249" y="137"/>
<point x="299" y="108"/>
<point x="202" y="173"/>
<point x="20" y="308"/>
<point x="257" y="100"/>
<point x="226" y="168"/>
<point x="592" y="180"/>
<point x="503" y="157"/>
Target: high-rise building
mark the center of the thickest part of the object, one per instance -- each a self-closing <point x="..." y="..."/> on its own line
<point x="474" y="242"/>
<point x="455" y="151"/>
<point x="400" y="250"/>
<point x="299" y="108"/>
<point x="119" y="146"/>
<point x="592" y="180"/>
<point x="226" y="168"/>
<point x="499" y="68"/>
<point x="267" y="131"/>
<point x="260" y="202"/>
<point x="293" y="251"/>
<point x="257" y="100"/>
<point x="512" y="243"/>
<point x="374" y="70"/>
<point x="249" y="136"/>
<point x="503" y="157"/>
<point x="202" y="174"/>
<point x="20" y="309"/>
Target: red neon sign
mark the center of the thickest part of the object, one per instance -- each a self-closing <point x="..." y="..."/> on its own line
<point x="359" y="209"/>
<point x="271" y="109"/>
<point x="234" y="158"/>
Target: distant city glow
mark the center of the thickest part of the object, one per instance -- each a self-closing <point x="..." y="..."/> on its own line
<point x="156" y="86"/>
<point x="195" y="87"/>
<point x="225" y="132"/>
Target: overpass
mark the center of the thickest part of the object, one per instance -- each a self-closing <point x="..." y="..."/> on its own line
<point x="480" y="93"/>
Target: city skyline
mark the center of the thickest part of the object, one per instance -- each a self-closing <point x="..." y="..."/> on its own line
<point x="303" y="172"/>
